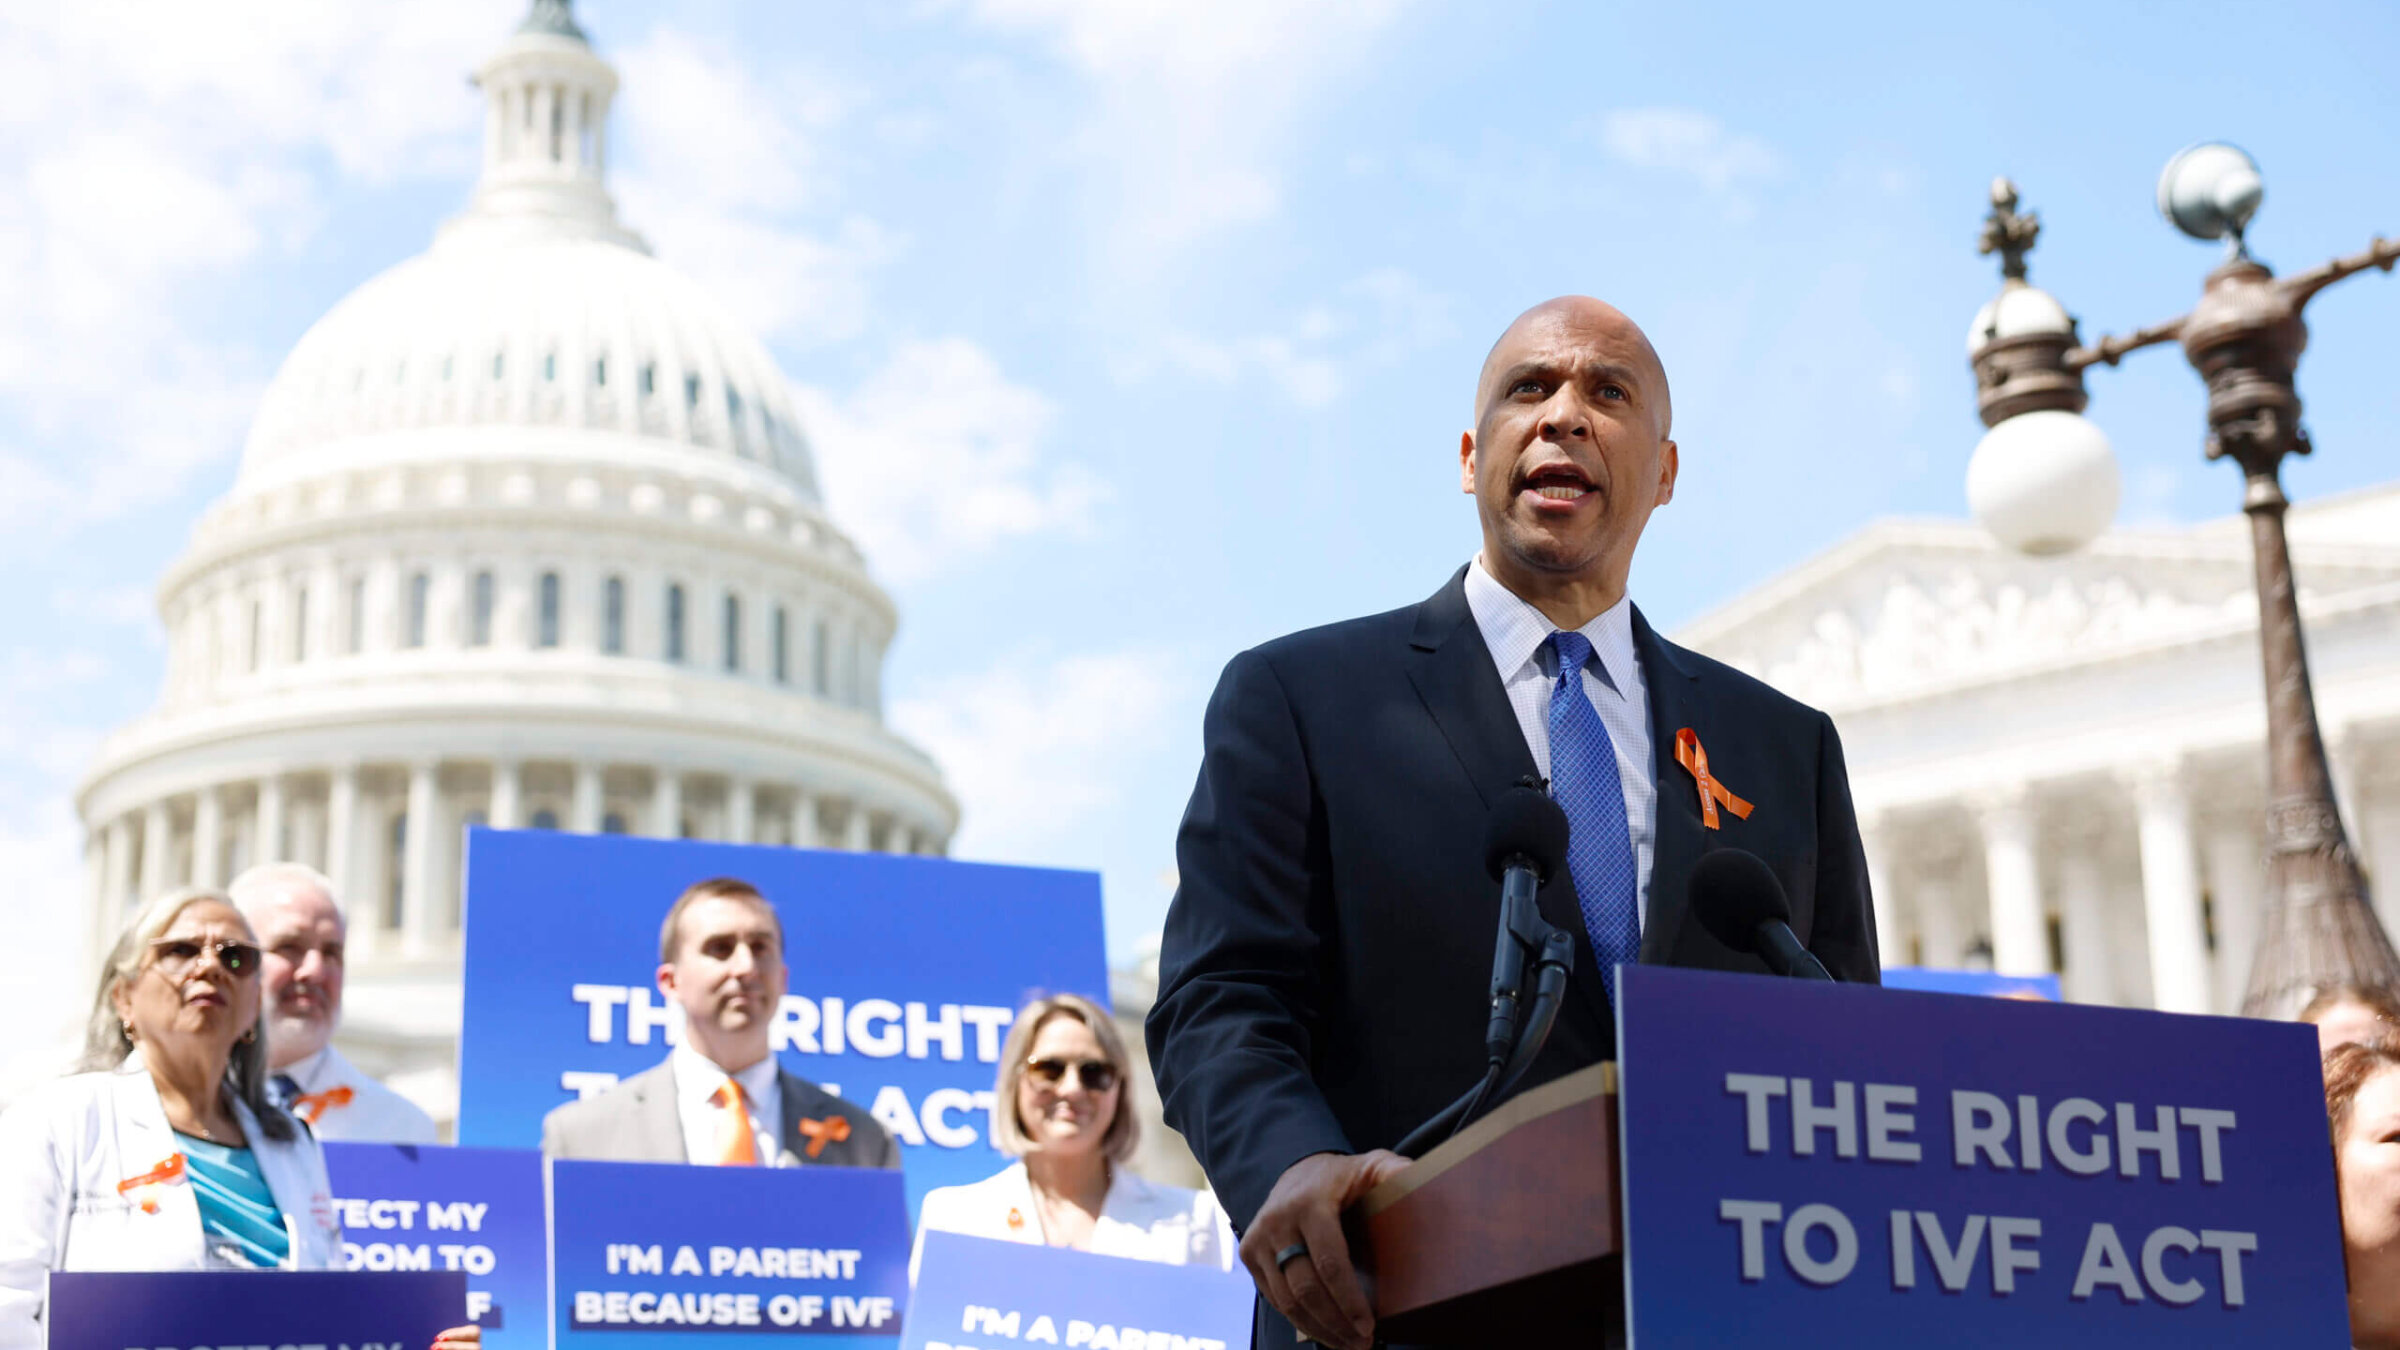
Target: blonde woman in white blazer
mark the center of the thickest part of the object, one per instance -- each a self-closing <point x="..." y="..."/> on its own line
<point x="1059" y="1109"/>
<point x="164" y="1153"/>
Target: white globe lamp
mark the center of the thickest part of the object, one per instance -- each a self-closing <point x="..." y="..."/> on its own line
<point x="2044" y="482"/>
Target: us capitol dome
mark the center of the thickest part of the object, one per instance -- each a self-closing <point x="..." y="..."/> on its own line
<point x="526" y="533"/>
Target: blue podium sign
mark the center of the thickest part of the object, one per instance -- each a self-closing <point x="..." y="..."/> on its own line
<point x="1984" y="982"/>
<point x="977" y="1294"/>
<point x="328" y="1309"/>
<point x="679" y="1255"/>
<point x="905" y="975"/>
<point x="1814" y="1165"/>
<point x="477" y="1210"/>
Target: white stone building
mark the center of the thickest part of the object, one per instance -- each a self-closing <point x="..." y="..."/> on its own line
<point x="526" y="533"/>
<point x="2059" y="762"/>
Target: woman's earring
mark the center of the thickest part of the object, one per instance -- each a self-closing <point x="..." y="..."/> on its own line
<point x="126" y="1027"/>
<point x="250" y="1037"/>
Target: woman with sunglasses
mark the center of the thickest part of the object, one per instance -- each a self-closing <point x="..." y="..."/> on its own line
<point x="1059" y="1109"/>
<point x="163" y="1152"/>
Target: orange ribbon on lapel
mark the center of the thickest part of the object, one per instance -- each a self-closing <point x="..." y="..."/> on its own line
<point x="832" y="1129"/>
<point x="1689" y="754"/>
<point x="165" y="1172"/>
<point x="312" y="1106"/>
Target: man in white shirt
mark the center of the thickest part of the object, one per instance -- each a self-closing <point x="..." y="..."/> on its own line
<point x="720" y="1098"/>
<point x="302" y="935"/>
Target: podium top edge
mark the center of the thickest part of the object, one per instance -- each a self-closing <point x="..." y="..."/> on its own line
<point x="1598" y="1080"/>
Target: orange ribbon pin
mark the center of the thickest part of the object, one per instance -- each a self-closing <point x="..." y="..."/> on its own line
<point x="312" y="1106"/>
<point x="832" y="1129"/>
<point x="1689" y="754"/>
<point x="169" y="1171"/>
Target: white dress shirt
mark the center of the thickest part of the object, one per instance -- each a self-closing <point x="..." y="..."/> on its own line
<point x="1515" y="632"/>
<point x="1144" y="1220"/>
<point x="697" y="1080"/>
<point x="343" y="1103"/>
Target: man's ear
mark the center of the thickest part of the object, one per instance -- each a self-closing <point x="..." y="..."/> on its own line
<point x="666" y="979"/>
<point x="1466" y="462"/>
<point x="1669" y="463"/>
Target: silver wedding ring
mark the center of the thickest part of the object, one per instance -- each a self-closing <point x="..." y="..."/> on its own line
<point x="1284" y="1258"/>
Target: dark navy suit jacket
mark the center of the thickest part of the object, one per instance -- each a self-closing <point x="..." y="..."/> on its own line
<point x="1323" y="980"/>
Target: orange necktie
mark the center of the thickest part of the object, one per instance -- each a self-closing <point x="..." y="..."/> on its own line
<point x="738" y="1147"/>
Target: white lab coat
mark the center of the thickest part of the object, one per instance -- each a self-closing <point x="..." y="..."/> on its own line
<point x="1140" y="1219"/>
<point x="346" y="1104"/>
<point x="63" y="1150"/>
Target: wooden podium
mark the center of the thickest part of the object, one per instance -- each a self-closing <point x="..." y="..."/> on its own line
<point x="1509" y="1233"/>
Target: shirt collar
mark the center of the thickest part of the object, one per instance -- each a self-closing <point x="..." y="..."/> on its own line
<point x="1514" y="630"/>
<point x="697" y="1076"/>
<point x="307" y="1071"/>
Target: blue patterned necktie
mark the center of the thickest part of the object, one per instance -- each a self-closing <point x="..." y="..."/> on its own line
<point x="1584" y="782"/>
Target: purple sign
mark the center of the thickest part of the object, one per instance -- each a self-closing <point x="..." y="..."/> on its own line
<point x="353" y="1310"/>
<point x="1830" y="1165"/>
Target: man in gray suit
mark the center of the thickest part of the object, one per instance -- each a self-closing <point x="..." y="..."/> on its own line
<point x="721" y="1098"/>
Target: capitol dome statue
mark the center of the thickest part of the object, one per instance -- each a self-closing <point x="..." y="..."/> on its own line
<point x="526" y="533"/>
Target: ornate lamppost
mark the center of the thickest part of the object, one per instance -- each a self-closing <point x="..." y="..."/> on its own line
<point x="2043" y="480"/>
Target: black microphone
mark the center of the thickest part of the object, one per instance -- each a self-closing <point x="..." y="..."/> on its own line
<point x="1742" y="905"/>
<point x="1524" y="844"/>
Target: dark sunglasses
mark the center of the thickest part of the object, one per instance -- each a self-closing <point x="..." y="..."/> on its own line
<point x="174" y="956"/>
<point x="1096" y="1075"/>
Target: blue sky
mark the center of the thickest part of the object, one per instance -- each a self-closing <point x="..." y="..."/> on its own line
<point x="1133" y="333"/>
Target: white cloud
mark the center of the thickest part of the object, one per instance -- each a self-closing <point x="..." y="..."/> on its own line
<point x="938" y="456"/>
<point x="1040" y="751"/>
<point x="150" y="154"/>
<point x="1197" y="105"/>
<point x="1691" y="143"/>
<point x="723" y="167"/>
<point x="1376" y="320"/>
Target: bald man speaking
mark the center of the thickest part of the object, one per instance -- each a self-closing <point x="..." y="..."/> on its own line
<point x="1323" y="984"/>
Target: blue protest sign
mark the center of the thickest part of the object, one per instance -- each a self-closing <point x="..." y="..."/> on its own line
<point x="976" y="1294"/>
<point x="357" y="1311"/>
<point x="478" y="1210"/>
<point x="679" y="1255"/>
<point x="1987" y="983"/>
<point x="905" y="974"/>
<point x="1823" y="1165"/>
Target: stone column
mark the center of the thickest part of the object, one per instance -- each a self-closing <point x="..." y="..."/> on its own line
<point x="1891" y="927"/>
<point x="666" y="804"/>
<point x="2020" y="935"/>
<point x="2379" y="831"/>
<point x="2171" y="892"/>
<point x="1938" y="925"/>
<point x="2235" y="858"/>
<point x="856" y="834"/>
<point x="158" y="829"/>
<point x="208" y="837"/>
<point x="341" y="838"/>
<point x="116" y="870"/>
<point x="507" y="808"/>
<point x="740" y="812"/>
<point x="269" y="831"/>
<point x="417" y="889"/>
<point x="804" y="820"/>
<point x="584" y="816"/>
<point x="2083" y="917"/>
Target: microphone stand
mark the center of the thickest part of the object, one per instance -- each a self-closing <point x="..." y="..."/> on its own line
<point x="1510" y="1041"/>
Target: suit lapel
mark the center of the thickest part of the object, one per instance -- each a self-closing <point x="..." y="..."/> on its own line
<point x="1680" y="840"/>
<point x="658" y="1118"/>
<point x="1454" y="675"/>
<point x="799" y="1099"/>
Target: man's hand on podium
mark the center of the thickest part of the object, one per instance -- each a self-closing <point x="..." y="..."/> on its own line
<point x="1317" y="1287"/>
